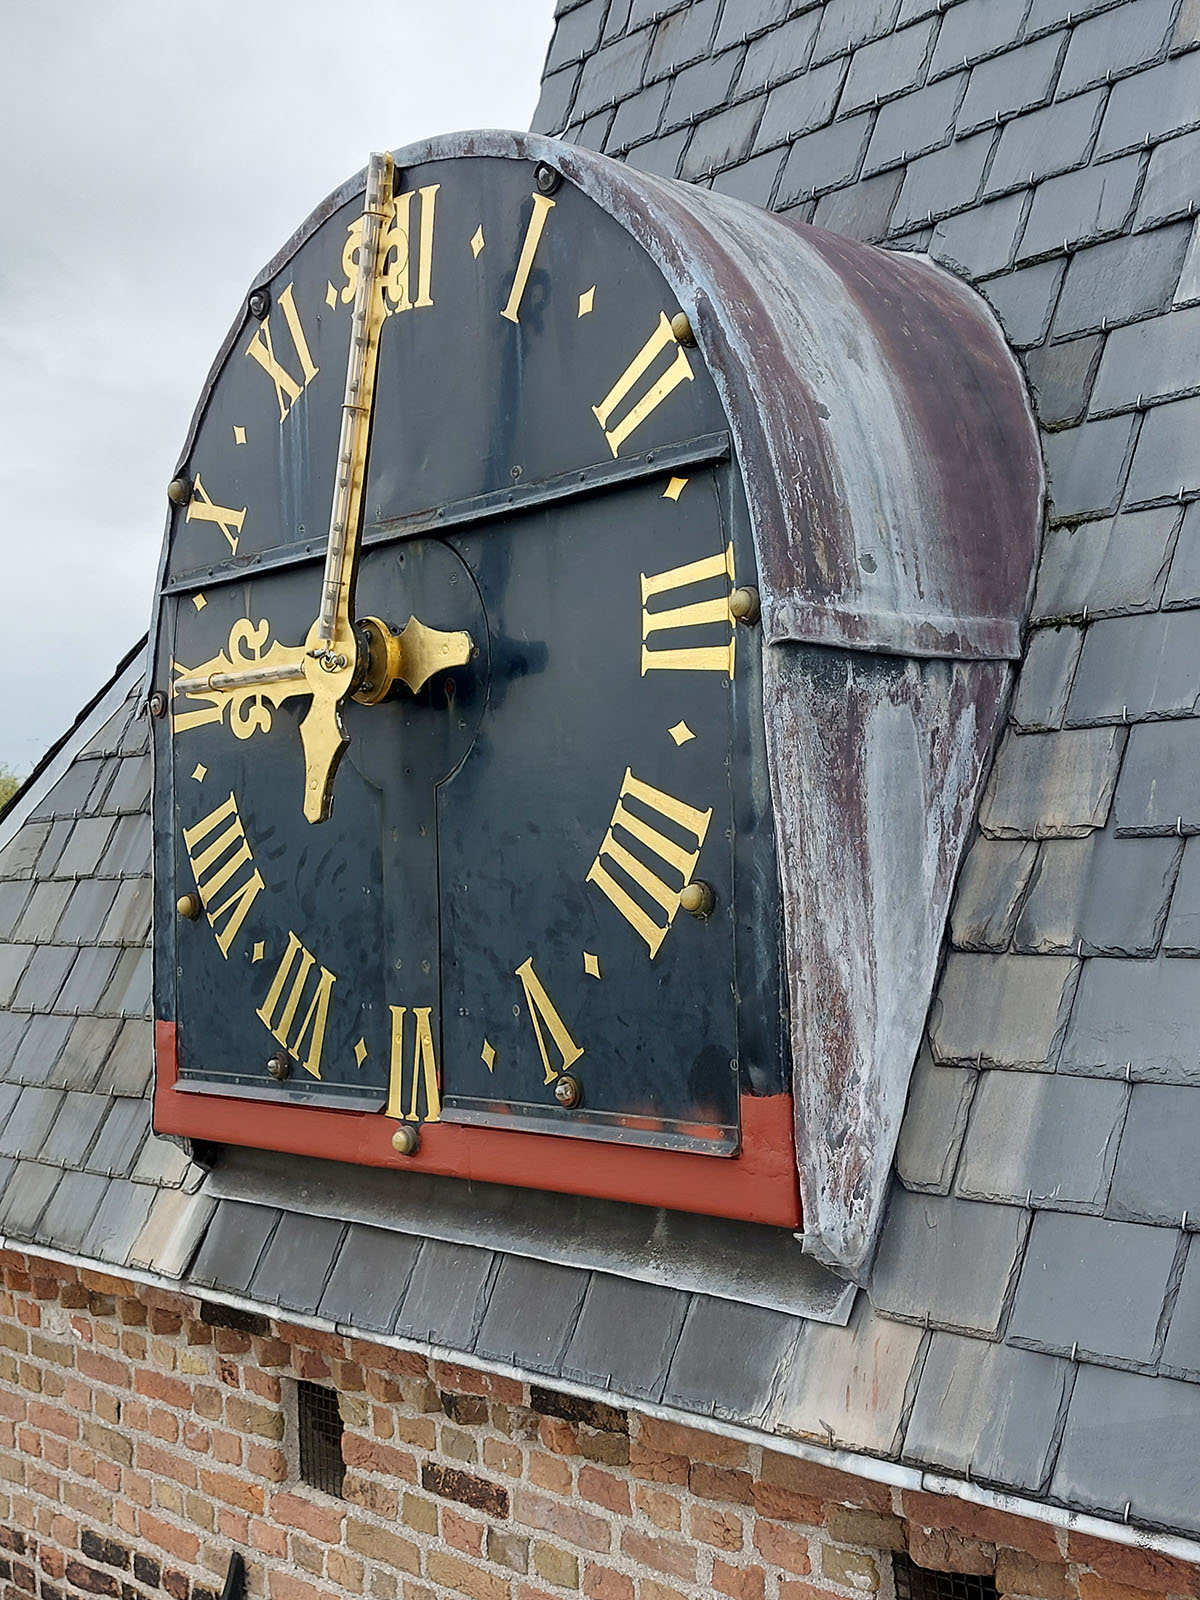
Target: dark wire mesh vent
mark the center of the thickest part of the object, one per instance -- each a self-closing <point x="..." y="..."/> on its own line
<point x="320" y="1421"/>
<point x="919" y="1583"/>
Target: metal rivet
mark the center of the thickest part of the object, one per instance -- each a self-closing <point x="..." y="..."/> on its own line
<point x="259" y="303"/>
<point x="546" y="179"/>
<point x="188" y="905"/>
<point x="406" y="1140"/>
<point x="156" y="704"/>
<point x="179" y="490"/>
<point x="681" y="328"/>
<point x="744" y="606"/>
<point x="280" y="1066"/>
<point x="568" y="1091"/>
<point x="698" y="898"/>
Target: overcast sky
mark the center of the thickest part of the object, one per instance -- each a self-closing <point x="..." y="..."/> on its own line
<point x="154" y="154"/>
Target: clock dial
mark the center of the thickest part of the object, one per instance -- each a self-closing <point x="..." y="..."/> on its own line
<point x="543" y="903"/>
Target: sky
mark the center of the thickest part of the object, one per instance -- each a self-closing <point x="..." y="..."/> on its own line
<point x="153" y="156"/>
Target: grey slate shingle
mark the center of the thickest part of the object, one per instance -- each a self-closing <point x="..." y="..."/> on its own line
<point x="947" y="1261"/>
<point x="369" y="1277"/>
<point x="230" y="1249"/>
<point x="79" y="1115"/>
<point x="1039" y="1135"/>
<point x="846" y="24"/>
<point x="1007" y="1010"/>
<point x="1130" y="1442"/>
<point x="935" y="1120"/>
<point x="294" y="1267"/>
<point x="577" y="34"/>
<point x="18" y="857"/>
<point x="987" y="1408"/>
<point x="1104" y="893"/>
<point x="682" y="37"/>
<point x="1158" y="1173"/>
<point x="1159" y="791"/>
<point x="129" y="920"/>
<point x="972" y="30"/>
<point x="1166" y="461"/>
<point x="1080" y="207"/>
<point x="1142" y="1013"/>
<point x="446" y="1295"/>
<point x="799" y="107"/>
<point x="1052" y="785"/>
<point x="660" y="156"/>
<point x="979" y="241"/>
<point x="861" y="211"/>
<point x="1116" y="564"/>
<point x="29" y="1122"/>
<point x="881" y="70"/>
<point x="72" y="1211"/>
<point x="119" y="1219"/>
<point x="25" y="1197"/>
<point x="1153" y="360"/>
<point x="625" y="1336"/>
<point x="1009" y="83"/>
<point x="88" y="909"/>
<point x="722" y="140"/>
<point x="1182" y="933"/>
<point x="1062" y="1301"/>
<point x="990" y="889"/>
<point x="1120" y="279"/>
<point x="1136" y="667"/>
<point x="1181" y="1353"/>
<point x="38" y="1056"/>
<point x="87" y="982"/>
<point x="1061" y="375"/>
<point x="728" y="1358"/>
<point x="914" y="123"/>
<point x="1086" y="466"/>
<point x="85" y="846"/>
<point x="638" y="118"/>
<point x="1188" y="290"/>
<point x="824" y="159"/>
<point x="692" y="92"/>
<point x="783" y="53"/>
<point x="1151" y="105"/>
<point x="554" y="103"/>
<point x="753" y="181"/>
<point x="509" y="1333"/>
<point x="1047" y="673"/>
<point x="612" y="74"/>
<point x="936" y="184"/>
<point x="750" y="17"/>
<point x="1024" y="301"/>
<point x="1183" y="583"/>
<point x="43" y="977"/>
<point x="1171" y="187"/>
<point x="119" y="1142"/>
<point x="42" y="913"/>
<point x="129" y="1066"/>
<point x="1115" y="43"/>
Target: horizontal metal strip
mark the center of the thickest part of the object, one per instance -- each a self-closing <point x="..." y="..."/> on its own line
<point x="521" y="497"/>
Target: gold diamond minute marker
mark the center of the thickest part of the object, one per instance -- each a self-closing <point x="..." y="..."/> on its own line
<point x="681" y="733"/>
<point x="477" y="242"/>
<point x="487" y="1055"/>
<point x="361" y="1052"/>
<point x="591" y="964"/>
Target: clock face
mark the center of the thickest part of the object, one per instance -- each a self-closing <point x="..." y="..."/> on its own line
<point x="543" y="903"/>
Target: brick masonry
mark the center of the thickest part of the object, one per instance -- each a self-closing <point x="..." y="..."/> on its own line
<point x="140" y="1444"/>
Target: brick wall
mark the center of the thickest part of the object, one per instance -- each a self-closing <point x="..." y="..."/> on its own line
<point x="141" y="1444"/>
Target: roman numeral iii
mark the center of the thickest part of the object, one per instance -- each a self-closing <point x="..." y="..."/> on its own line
<point x="697" y="613"/>
<point x="262" y="349"/>
<point x="228" y="881"/>
<point x="304" y="1039"/>
<point x="679" y="371"/>
<point x="656" y="853"/>
<point x="424" y="1069"/>
<point x="542" y="1010"/>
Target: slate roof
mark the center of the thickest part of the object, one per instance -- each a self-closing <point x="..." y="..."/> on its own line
<point x="1033" y="1318"/>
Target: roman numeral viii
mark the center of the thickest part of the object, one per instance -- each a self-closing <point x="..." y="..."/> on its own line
<point x="304" y="1039"/>
<point x="424" y="1069"/>
<point x="697" y="613"/>
<point x="262" y="349"/>
<point x="679" y="371"/>
<point x="665" y="853"/>
<point x="228" y="881"/>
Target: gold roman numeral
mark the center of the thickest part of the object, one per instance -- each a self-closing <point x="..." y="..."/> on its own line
<point x="697" y="613"/>
<point x="542" y="1010"/>
<point x="202" y="508"/>
<point x="666" y="852"/>
<point x="399" y="254"/>
<point x="679" y="370"/>
<point x="228" y="881"/>
<point x="542" y="207"/>
<point x="287" y="389"/>
<point x="424" y="1069"/>
<point x="281" y="1020"/>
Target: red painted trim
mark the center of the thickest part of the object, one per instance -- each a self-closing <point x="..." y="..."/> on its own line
<point x="759" y="1185"/>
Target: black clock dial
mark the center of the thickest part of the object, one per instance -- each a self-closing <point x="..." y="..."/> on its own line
<point x="544" y="898"/>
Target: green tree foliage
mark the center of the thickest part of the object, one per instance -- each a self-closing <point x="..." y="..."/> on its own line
<point x="9" y="784"/>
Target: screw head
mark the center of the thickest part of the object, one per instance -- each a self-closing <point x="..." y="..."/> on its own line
<point x="259" y="303"/>
<point x="546" y="179"/>
<point x="280" y="1066"/>
<point x="188" y="905"/>
<point x="406" y="1140"/>
<point x="156" y="704"/>
<point x="568" y="1091"/>
<point x="179" y="490"/>
<point x="681" y="327"/>
<point x="698" y="898"/>
<point x="744" y="606"/>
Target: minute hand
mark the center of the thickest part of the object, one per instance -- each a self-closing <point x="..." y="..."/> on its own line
<point x="332" y="649"/>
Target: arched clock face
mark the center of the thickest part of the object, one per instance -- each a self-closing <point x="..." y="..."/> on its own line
<point x="542" y="901"/>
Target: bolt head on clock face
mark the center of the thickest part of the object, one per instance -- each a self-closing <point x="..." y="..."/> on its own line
<point x="543" y="902"/>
